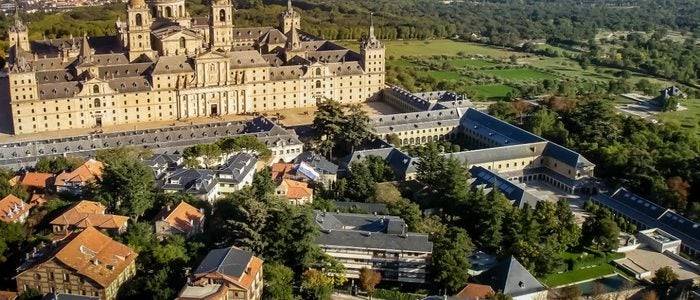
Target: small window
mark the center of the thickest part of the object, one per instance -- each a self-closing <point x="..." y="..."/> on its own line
<point x="96" y="89"/>
<point x="97" y="103"/>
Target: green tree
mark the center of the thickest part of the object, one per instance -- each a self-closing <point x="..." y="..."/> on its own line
<point x="600" y="232"/>
<point x="57" y="164"/>
<point x="316" y="285"/>
<point x="356" y="127"/>
<point x="127" y="185"/>
<point x="328" y="121"/>
<point x="451" y="259"/>
<point x="278" y="281"/>
<point x="664" y="278"/>
<point x="7" y="189"/>
<point x="360" y="183"/>
<point x="504" y="111"/>
<point x="263" y="185"/>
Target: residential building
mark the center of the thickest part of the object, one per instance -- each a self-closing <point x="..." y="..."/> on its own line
<point x="165" y="65"/>
<point x="86" y="214"/>
<point x="208" y="184"/>
<point x="85" y="263"/>
<point x="296" y="192"/>
<point x="182" y="219"/>
<point x="74" y="181"/>
<point x="317" y="168"/>
<point x="509" y="277"/>
<point x="646" y="214"/>
<point x="13" y="210"/>
<point x="35" y="181"/>
<point x="227" y="273"/>
<point x="381" y="243"/>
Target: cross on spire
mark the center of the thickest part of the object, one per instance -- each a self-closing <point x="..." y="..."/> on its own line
<point x="371" y="25"/>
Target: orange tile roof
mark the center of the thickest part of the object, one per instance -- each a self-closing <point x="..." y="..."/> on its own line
<point x="89" y="171"/>
<point x="12" y="208"/>
<point x="297" y="189"/>
<point x="86" y="214"/>
<point x="473" y="291"/>
<point x="8" y="295"/>
<point x="255" y="266"/>
<point x="280" y="170"/>
<point x="95" y="255"/>
<point x="35" y="179"/>
<point x="180" y="216"/>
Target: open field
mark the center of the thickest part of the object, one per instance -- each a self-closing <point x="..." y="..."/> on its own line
<point x="519" y="74"/>
<point x="491" y="91"/>
<point x="687" y="119"/>
<point x="396" y="49"/>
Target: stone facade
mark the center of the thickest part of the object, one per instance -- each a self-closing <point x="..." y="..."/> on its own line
<point x="165" y="65"/>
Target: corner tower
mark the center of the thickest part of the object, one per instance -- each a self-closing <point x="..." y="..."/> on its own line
<point x="221" y="24"/>
<point x="138" y="29"/>
<point x="18" y="32"/>
<point x="289" y="19"/>
<point x="372" y="51"/>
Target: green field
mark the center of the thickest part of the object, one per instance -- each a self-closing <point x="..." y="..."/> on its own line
<point x="444" y="75"/>
<point x="555" y="280"/>
<point x="396" y="49"/>
<point x="687" y="119"/>
<point x="471" y="63"/>
<point x="519" y="74"/>
<point x="491" y="91"/>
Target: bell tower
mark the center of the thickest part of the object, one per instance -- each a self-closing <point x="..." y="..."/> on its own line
<point x="18" y="32"/>
<point x="138" y="29"/>
<point x="289" y="19"/>
<point x="372" y="51"/>
<point x="221" y="24"/>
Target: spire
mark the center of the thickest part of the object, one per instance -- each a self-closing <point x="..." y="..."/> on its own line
<point x="371" y="25"/>
<point x="18" y="25"/>
<point x="85" y="50"/>
<point x="289" y="6"/>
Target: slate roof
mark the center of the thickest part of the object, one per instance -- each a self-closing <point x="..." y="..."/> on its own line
<point x="368" y="232"/>
<point x="229" y="261"/>
<point x="498" y="132"/>
<point x="651" y="215"/>
<point x="362" y="207"/>
<point x="198" y="182"/>
<point x="161" y="140"/>
<point x="511" y="278"/>
<point x="238" y="166"/>
<point x="317" y="161"/>
<point x="514" y="192"/>
<point x="566" y="155"/>
<point x="400" y="162"/>
<point x="480" y="156"/>
<point x="384" y="124"/>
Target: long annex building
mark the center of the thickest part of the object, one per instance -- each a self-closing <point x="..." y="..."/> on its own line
<point x="165" y="65"/>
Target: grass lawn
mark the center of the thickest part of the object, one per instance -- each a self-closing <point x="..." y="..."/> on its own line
<point x="444" y="75"/>
<point x="436" y="47"/>
<point x="471" y="63"/>
<point x="555" y="280"/>
<point x="491" y="91"/>
<point x="687" y="119"/>
<point x="520" y="74"/>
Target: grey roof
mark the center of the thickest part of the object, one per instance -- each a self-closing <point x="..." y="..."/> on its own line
<point x="168" y="160"/>
<point x="400" y="162"/>
<point x="651" y="215"/>
<point x="191" y="181"/>
<point x="384" y="124"/>
<point x="566" y="155"/>
<point x="514" y="192"/>
<point x="511" y="278"/>
<point x="167" y="140"/>
<point x="368" y="232"/>
<point x="238" y="166"/>
<point x="229" y="261"/>
<point x="317" y="161"/>
<point x="425" y="101"/>
<point x="500" y="133"/>
<point x="480" y="156"/>
<point x="69" y="297"/>
<point x="362" y="207"/>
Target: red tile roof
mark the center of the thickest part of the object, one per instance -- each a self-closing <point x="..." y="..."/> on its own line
<point x="180" y="216"/>
<point x="474" y="291"/>
<point x="297" y="189"/>
<point x="86" y="214"/>
<point x="37" y="180"/>
<point x="89" y="171"/>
